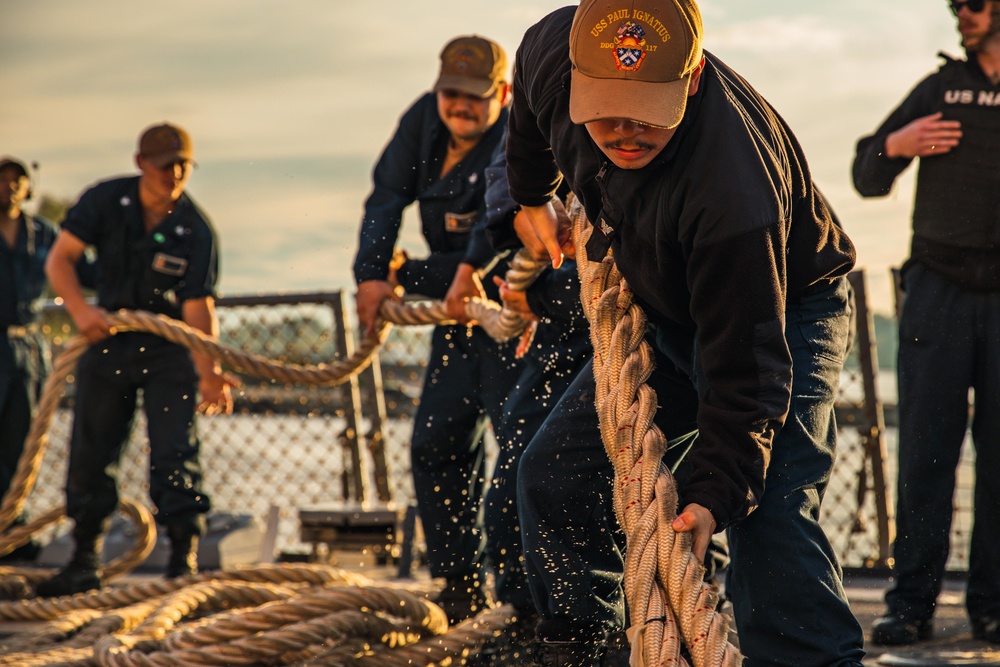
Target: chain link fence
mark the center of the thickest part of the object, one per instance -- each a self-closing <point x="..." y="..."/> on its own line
<point x="285" y="447"/>
<point x="288" y="448"/>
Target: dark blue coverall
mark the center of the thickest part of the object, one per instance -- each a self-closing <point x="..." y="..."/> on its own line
<point x="154" y="272"/>
<point x="24" y="352"/>
<point x="559" y="350"/>
<point x="468" y="375"/>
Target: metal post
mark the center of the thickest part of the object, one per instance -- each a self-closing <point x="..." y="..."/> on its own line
<point x="356" y="476"/>
<point x="874" y="420"/>
<point x="375" y="407"/>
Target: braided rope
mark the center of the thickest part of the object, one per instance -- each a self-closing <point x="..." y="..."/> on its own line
<point x="664" y="582"/>
<point x="500" y="323"/>
<point x="294" y="613"/>
<point x="40" y="609"/>
<point x="311" y="619"/>
<point x="503" y="324"/>
<point x="131" y="625"/>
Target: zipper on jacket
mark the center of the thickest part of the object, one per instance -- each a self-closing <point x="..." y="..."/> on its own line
<point x="602" y="172"/>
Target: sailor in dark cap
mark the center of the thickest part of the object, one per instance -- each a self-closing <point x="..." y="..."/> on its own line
<point x="158" y="253"/>
<point x="26" y="240"/>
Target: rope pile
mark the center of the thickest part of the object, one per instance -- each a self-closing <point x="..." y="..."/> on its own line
<point x="132" y="625"/>
<point x="265" y="615"/>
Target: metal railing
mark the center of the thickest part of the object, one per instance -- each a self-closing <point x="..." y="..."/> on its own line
<point x="293" y="447"/>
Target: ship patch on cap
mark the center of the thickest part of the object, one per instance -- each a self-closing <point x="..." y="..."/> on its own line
<point x="630" y="46"/>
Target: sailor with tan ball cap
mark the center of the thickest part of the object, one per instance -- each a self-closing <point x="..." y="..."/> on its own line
<point x="157" y="252"/>
<point x="704" y="196"/>
<point x="436" y="159"/>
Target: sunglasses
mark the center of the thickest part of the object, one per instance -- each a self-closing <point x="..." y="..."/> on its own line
<point x="975" y="6"/>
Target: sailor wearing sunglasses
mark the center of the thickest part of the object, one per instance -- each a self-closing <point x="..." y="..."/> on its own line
<point x="949" y="329"/>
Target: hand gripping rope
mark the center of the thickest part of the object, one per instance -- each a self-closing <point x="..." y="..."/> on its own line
<point x="668" y="599"/>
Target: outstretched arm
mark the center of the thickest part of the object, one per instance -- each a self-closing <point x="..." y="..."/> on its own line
<point x="213" y="384"/>
<point x="60" y="268"/>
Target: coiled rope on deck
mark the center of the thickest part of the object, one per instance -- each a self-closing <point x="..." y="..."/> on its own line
<point x="265" y="615"/>
<point x="89" y="616"/>
<point x="667" y="596"/>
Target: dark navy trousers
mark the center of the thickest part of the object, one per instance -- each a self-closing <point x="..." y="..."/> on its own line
<point x="784" y="578"/>
<point x="949" y="343"/>
<point x="467" y="381"/>
<point x="109" y="377"/>
<point x="23" y="366"/>
<point x="538" y="388"/>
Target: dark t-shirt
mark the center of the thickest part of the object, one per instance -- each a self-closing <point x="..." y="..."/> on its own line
<point x="155" y="271"/>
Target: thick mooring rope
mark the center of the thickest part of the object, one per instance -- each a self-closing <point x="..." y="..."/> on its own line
<point x="137" y="617"/>
<point x="668" y="599"/>
<point x="263" y="615"/>
<point x="499" y="322"/>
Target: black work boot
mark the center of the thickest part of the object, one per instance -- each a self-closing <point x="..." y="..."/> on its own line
<point x="569" y="654"/>
<point x="987" y="629"/>
<point x="79" y="576"/>
<point x="893" y="630"/>
<point x="513" y="645"/>
<point x="462" y="597"/>
<point x="183" y="549"/>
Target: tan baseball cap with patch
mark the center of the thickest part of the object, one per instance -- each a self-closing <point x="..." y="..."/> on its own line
<point x="633" y="59"/>
<point x="473" y="65"/>
<point x="165" y="143"/>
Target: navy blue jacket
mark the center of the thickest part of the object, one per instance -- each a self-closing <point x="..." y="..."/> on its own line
<point x="562" y="339"/>
<point x="409" y="170"/>
<point x="22" y="282"/>
<point x="22" y="271"/>
<point x="716" y="236"/>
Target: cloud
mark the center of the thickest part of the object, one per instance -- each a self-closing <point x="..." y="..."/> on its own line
<point x="776" y="36"/>
<point x="291" y="102"/>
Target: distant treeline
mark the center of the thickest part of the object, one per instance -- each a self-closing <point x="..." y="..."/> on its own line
<point x="886" y="340"/>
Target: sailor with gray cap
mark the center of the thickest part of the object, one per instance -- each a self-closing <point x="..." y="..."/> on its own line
<point x="704" y="195"/>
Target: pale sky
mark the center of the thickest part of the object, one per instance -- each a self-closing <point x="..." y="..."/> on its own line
<point x="290" y="103"/>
